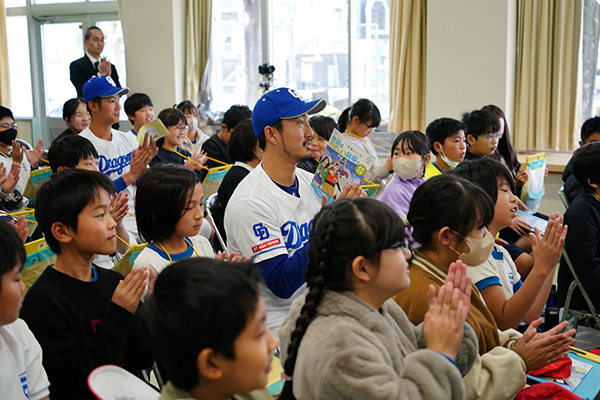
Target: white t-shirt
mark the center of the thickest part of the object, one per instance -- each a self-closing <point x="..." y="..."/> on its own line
<point x="498" y="269"/>
<point x="22" y="375"/>
<point x="114" y="160"/>
<point x="262" y="222"/>
<point x="24" y="171"/>
<point x="152" y="259"/>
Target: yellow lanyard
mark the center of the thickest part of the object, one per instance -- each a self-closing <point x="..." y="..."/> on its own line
<point x="192" y="144"/>
<point x="11" y="159"/>
<point x="376" y="145"/>
<point x="118" y="237"/>
<point x="178" y="153"/>
<point x="168" y="255"/>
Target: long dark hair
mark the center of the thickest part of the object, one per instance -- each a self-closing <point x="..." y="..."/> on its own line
<point x="332" y="249"/>
<point x="505" y="147"/>
<point x="364" y="109"/>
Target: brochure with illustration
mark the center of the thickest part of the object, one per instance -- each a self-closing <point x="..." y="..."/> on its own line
<point x="533" y="221"/>
<point x="342" y="163"/>
<point x="156" y="129"/>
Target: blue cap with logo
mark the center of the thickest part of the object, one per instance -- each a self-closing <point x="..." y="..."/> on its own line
<point x="101" y="86"/>
<point x="281" y="103"/>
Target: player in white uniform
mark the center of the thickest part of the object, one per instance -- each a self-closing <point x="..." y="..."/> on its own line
<point x="269" y="216"/>
<point x="120" y="156"/>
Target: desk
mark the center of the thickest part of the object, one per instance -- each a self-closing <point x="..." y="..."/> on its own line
<point x="589" y="386"/>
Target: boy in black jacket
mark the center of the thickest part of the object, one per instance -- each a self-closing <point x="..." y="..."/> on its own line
<point x="83" y="316"/>
<point x="583" y="239"/>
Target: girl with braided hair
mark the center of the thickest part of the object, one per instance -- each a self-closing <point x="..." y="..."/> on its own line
<point x="346" y="338"/>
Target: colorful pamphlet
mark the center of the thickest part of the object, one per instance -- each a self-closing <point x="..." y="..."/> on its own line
<point x="156" y="129"/>
<point x="342" y="163"/>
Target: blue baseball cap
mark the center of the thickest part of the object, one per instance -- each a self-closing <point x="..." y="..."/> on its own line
<point x="281" y="103"/>
<point x="101" y="86"/>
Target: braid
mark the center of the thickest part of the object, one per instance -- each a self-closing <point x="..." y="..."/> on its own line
<point x="315" y="279"/>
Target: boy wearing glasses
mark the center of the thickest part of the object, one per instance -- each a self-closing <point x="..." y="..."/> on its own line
<point x="483" y="133"/>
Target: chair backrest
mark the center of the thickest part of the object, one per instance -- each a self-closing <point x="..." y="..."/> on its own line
<point x="213" y="201"/>
<point x="563" y="197"/>
<point x="577" y="281"/>
<point x="110" y="382"/>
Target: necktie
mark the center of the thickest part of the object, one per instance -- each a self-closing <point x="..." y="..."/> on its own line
<point x="96" y="66"/>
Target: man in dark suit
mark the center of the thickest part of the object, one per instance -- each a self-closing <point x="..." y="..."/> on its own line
<point x="91" y="64"/>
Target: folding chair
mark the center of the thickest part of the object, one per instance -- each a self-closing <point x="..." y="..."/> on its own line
<point x="110" y="382"/>
<point x="576" y="284"/>
<point x="563" y="197"/>
<point x="211" y="202"/>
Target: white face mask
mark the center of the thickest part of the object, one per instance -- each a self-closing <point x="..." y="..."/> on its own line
<point x="480" y="250"/>
<point x="449" y="162"/>
<point x="407" y="169"/>
<point x="192" y="123"/>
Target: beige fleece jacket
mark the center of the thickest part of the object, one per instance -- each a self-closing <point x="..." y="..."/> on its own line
<point x="353" y="351"/>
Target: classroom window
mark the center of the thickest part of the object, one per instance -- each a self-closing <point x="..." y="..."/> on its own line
<point x="340" y="52"/>
<point x="18" y="66"/>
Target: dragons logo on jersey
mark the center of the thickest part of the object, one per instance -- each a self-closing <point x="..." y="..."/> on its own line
<point x="261" y="231"/>
<point x="295" y="235"/>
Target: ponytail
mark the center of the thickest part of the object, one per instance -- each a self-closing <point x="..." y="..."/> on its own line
<point x="343" y="120"/>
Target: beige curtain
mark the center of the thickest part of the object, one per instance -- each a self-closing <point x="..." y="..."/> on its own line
<point x="548" y="74"/>
<point x="197" y="45"/>
<point x="4" y="84"/>
<point x="407" y="65"/>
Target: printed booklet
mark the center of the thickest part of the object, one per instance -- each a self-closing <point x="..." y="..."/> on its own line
<point x="342" y="163"/>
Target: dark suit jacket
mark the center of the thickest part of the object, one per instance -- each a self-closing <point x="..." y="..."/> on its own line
<point x="82" y="69"/>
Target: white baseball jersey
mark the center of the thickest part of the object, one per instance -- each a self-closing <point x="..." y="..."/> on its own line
<point x="262" y="221"/>
<point x="114" y="160"/>
<point x="22" y="375"/>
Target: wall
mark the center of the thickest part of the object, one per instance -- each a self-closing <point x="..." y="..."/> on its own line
<point x="154" y="43"/>
<point x="470" y="56"/>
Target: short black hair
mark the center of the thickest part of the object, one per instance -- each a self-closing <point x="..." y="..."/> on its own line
<point x="69" y="150"/>
<point x="585" y="165"/>
<point x="448" y="200"/>
<point x="364" y="109"/>
<point x="136" y="102"/>
<point x="70" y="107"/>
<point x="198" y="303"/>
<point x="5" y="112"/>
<point x="480" y="122"/>
<point x="64" y="195"/>
<point x="440" y="129"/>
<point x="12" y="252"/>
<point x="590" y="127"/>
<point x="243" y="142"/>
<point x="323" y="126"/>
<point x="170" y="117"/>
<point x="163" y="193"/>
<point x="187" y="106"/>
<point x="236" y="114"/>
<point x="88" y="32"/>
<point x="414" y="140"/>
<point x="485" y="172"/>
